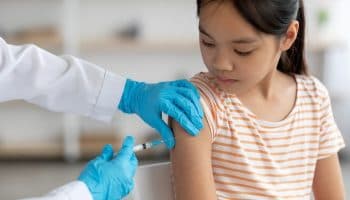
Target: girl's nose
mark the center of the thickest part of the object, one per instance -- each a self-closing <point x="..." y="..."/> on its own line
<point x="222" y="61"/>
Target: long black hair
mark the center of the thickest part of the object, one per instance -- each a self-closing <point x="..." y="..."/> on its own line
<point x="274" y="17"/>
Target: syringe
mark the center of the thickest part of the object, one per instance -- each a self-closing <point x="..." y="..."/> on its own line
<point x="148" y="145"/>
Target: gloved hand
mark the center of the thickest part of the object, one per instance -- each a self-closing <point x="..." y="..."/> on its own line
<point x="178" y="99"/>
<point x="111" y="178"/>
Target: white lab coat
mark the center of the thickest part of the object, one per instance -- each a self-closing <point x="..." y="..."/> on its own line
<point x="76" y="190"/>
<point x="61" y="84"/>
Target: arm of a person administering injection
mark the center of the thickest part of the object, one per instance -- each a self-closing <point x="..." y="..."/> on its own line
<point x="328" y="183"/>
<point x="191" y="164"/>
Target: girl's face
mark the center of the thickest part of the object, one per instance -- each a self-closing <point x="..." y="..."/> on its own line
<point x="237" y="55"/>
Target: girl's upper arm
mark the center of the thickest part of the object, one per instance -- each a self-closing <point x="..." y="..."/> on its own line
<point x="328" y="183"/>
<point x="191" y="165"/>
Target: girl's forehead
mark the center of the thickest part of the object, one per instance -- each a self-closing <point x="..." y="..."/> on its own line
<point x="224" y="20"/>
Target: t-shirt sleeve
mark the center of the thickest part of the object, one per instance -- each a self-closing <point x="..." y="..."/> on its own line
<point x="208" y="102"/>
<point x="331" y="140"/>
<point x="209" y="117"/>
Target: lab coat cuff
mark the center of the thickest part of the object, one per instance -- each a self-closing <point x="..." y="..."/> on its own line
<point x="73" y="190"/>
<point x="109" y="97"/>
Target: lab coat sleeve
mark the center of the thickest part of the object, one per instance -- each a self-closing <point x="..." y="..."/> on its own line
<point x="76" y="190"/>
<point x="61" y="84"/>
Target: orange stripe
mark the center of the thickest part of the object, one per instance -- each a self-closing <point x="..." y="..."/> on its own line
<point x="326" y="117"/>
<point x="273" y="183"/>
<point x="293" y="144"/>
<point x="300" y="112"/>
<point x="313" y="96"/>
<point x="260" y="167"/>
<point x="265" y="152"/>
<point x="338" y="145"/>
<point x="260" y="144"/>
<point x="272" y="175"/>
<point x="294" y="120"/>
<point x="278" y="138"/>
<point x="261" y="189"/>
<point x="263" y="159"/>
<point x="241" y="118"/>
<point x="321" y="110"/>
<point x="327" y="125"/>
<point x="231" y="110"/>
<point x="247" y="142"/>
<point x="229" y="153"/>
<point x="235" y="110"/>
<point x="241" y="185"/>
<point x="307" y="81"/>
<point x="244" y="126"/>
<point x="326" y="128"/>
<point x="313" y="90"/>
<point x="311" y="104"/>
<point x="331" y="139"/>
<point x="259" y="195"/>
<point x="234" y="104"/>
<point x="272" y="131"/>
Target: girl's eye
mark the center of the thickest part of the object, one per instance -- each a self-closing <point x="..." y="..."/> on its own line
<point x="207" y="44"/>
<point x="243" y="53"/>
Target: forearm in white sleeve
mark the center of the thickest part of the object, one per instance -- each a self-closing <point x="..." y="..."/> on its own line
<point x="76" y="190"/>
<point x="61" y="84"/>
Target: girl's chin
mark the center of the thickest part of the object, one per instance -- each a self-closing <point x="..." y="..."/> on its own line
<point x="227" y="82"/>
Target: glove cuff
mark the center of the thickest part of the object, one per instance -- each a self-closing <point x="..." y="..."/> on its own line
<point x="126" y="103"/>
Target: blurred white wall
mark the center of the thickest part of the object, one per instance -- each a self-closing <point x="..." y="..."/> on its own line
<point x="334" y="39"/>
<point x="159" y="20"/>
<point x="168" y="27"/>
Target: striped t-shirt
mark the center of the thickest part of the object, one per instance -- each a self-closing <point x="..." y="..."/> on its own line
<point x="255" y="159"/>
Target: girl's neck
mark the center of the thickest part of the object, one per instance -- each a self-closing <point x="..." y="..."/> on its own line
<point x="273" y="99"/>
<point x="267" y="88"/>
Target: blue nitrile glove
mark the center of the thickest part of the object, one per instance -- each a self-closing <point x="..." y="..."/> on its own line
<point x="178" y="99"/>
<point x="111" y="178"/>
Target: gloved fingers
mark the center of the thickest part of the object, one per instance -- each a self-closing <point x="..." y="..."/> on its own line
<point x="189" y="94"/>
<point x="166" y="133"/>
<point x="131" y="185"/>
<point x="127" y="148"/>
<point x="186" y="84"/>
<point x="134" y="163"/>
<point x="187" y="107"/>
<point x="177" y="114"/>
<point x="107" y="153"/>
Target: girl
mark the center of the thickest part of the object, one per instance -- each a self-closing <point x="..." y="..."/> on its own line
<point x="269" y="131"/>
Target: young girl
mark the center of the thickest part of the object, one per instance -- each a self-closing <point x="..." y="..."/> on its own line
<point x="269" y="130"/>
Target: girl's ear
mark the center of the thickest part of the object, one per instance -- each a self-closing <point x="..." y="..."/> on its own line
<point x="290" y="36"/>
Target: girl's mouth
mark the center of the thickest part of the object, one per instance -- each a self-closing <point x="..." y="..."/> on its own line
<point x="225" y="81"/>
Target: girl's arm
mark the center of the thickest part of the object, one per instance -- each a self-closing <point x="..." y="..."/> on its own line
<point x="191" y="164"/>
<point x="328" y="183"/>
